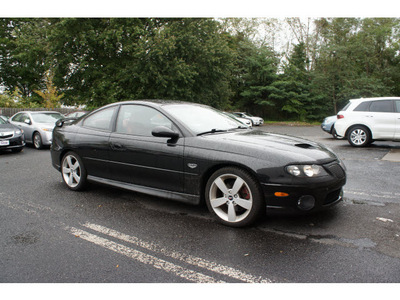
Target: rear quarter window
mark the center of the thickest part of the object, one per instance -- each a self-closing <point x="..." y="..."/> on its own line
<point x="364" y="106"/>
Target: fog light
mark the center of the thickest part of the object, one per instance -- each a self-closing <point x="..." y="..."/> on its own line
<point x="306" y="202"/>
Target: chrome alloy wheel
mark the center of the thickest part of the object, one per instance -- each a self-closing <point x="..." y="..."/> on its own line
<point x="230" y="198"/>
<point x="71" y="171"/>
<point x="37" y="140"/>
<point x="358" y="137"/>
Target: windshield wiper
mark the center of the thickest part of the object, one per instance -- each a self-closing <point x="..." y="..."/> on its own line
<point x="212" y="131"/>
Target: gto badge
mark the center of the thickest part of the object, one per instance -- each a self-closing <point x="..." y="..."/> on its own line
<point x="192" y="166"/>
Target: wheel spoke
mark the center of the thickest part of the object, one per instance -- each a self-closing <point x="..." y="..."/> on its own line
<point x="246" y="204"/>
<point x="231" y="212"/>
<point x="237" y="186"/>
<point x="221" y="185"/>
<point x="70" y="180"/>
<point x="69" y="161"/>
<point x="217" y="202"/>
<point x="75" y="165"/>
<point x="76" y="177"/>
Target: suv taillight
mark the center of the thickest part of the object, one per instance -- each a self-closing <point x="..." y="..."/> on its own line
<point x="340" y="116"/>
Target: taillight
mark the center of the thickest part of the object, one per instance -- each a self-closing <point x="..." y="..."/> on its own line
<point x="340" y="116"/>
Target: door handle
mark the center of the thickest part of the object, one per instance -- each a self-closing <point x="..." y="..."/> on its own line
<point x="117" y="146"/>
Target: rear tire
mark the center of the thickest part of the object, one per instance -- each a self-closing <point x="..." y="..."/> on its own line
<point x="234" y="197"/>
<point x="359" y="136"/>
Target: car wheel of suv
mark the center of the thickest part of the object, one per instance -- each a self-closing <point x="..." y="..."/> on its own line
<point x="73" y="171"/>
<point x="234" y="197"/>
<point x="359" y="136"/>
<point x="37" y="141"/>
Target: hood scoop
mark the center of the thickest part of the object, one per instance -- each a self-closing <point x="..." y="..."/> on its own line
<point x="305" y="146"/>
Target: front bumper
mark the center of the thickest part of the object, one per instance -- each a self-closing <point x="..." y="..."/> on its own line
<point x="47" y="137"/>
<point x="15" y="142"/>
<point x="307" y="197"/>
<point x="326" y="127"/>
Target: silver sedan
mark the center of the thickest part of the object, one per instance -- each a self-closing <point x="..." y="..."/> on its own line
<point x="37" y="125"/>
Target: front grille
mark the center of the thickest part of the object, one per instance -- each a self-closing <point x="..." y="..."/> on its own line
<point x="336" y="170"/>
<point x="332" y="197"/>
<point x="6" y="135"/>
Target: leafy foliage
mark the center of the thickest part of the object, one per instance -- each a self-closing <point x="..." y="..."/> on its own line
<point x="223" y="63"/>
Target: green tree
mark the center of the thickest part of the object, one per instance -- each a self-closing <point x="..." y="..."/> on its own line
<point x="51" y="98"/>
<point x="23" y="54"/>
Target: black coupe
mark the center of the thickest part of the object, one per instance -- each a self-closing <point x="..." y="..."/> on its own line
<point x="191" y="152"/>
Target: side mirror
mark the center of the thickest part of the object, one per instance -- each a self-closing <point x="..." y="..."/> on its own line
<point x="162" y="131"/>
<point x="27" y="121"/>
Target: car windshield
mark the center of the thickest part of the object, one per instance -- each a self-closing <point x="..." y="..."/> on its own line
<point x="202" y="119"/>
<point x="46" y="117"/>
<point x="2" y="121"/>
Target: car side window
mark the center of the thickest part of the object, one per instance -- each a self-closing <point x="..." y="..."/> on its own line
<point x="101" y="119"/>
<point x="381" y="106"/>
<point x="140" y="120"/>
<point x="364" y="106"/>
<point x="398" y="106"/>
<point x="17" y="118"/>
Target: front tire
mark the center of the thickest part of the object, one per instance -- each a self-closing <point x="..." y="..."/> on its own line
<point x="37" y="140"/>
<point x="359" y="136"/>
<point x="234" y="197"/>
<point x="73" y="172"/>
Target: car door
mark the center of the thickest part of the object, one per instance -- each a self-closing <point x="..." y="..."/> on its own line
<point x="140" y="158"/>
<point x="92" y="142"/>
<point x="397" y="134"/>
<point x="382" y="118"/>
<point x="23" y="121"/>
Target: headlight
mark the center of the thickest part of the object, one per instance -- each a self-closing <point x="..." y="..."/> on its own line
<point x="306" y="170"/>
<point x="19" y="132"/>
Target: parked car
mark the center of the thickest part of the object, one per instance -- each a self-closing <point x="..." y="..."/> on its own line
<point x="37" y="126"/>
<point x="328" y="125"/>
<point x="5" y="118"/>
<point x="246" y="122"/>
<point x="363" y="121"/>
<point x="197" y="154"/>
<point x="76" y="114"/>
<point x="256" y="121"/>
<point x="11" y="137"/>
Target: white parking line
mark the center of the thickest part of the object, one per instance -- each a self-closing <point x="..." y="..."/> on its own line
<point x="189" y="259"/>
<point x="144" y="258"/>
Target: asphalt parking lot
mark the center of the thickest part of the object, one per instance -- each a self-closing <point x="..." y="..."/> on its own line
<point x="51" y="234"/>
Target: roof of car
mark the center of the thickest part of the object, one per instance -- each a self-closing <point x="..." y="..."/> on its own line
<point x="375" y="99"/>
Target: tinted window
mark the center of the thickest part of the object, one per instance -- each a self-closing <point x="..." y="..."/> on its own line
<point x="101" y="119"/>
<point x="17" y="118"/>
<point x="398" y="106"/>
<point x="140" y="120"/>
<point x="381" y="106"/>
<point x="346" y="107"/>
<point x="364" y="106"/>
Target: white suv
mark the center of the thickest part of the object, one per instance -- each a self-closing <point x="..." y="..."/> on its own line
<point x="365" y="120"/>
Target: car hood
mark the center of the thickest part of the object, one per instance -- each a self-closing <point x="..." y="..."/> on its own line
<point x="264" y="145"/>
<point x="7" y="127"/>
<point x="46" y="125"/>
